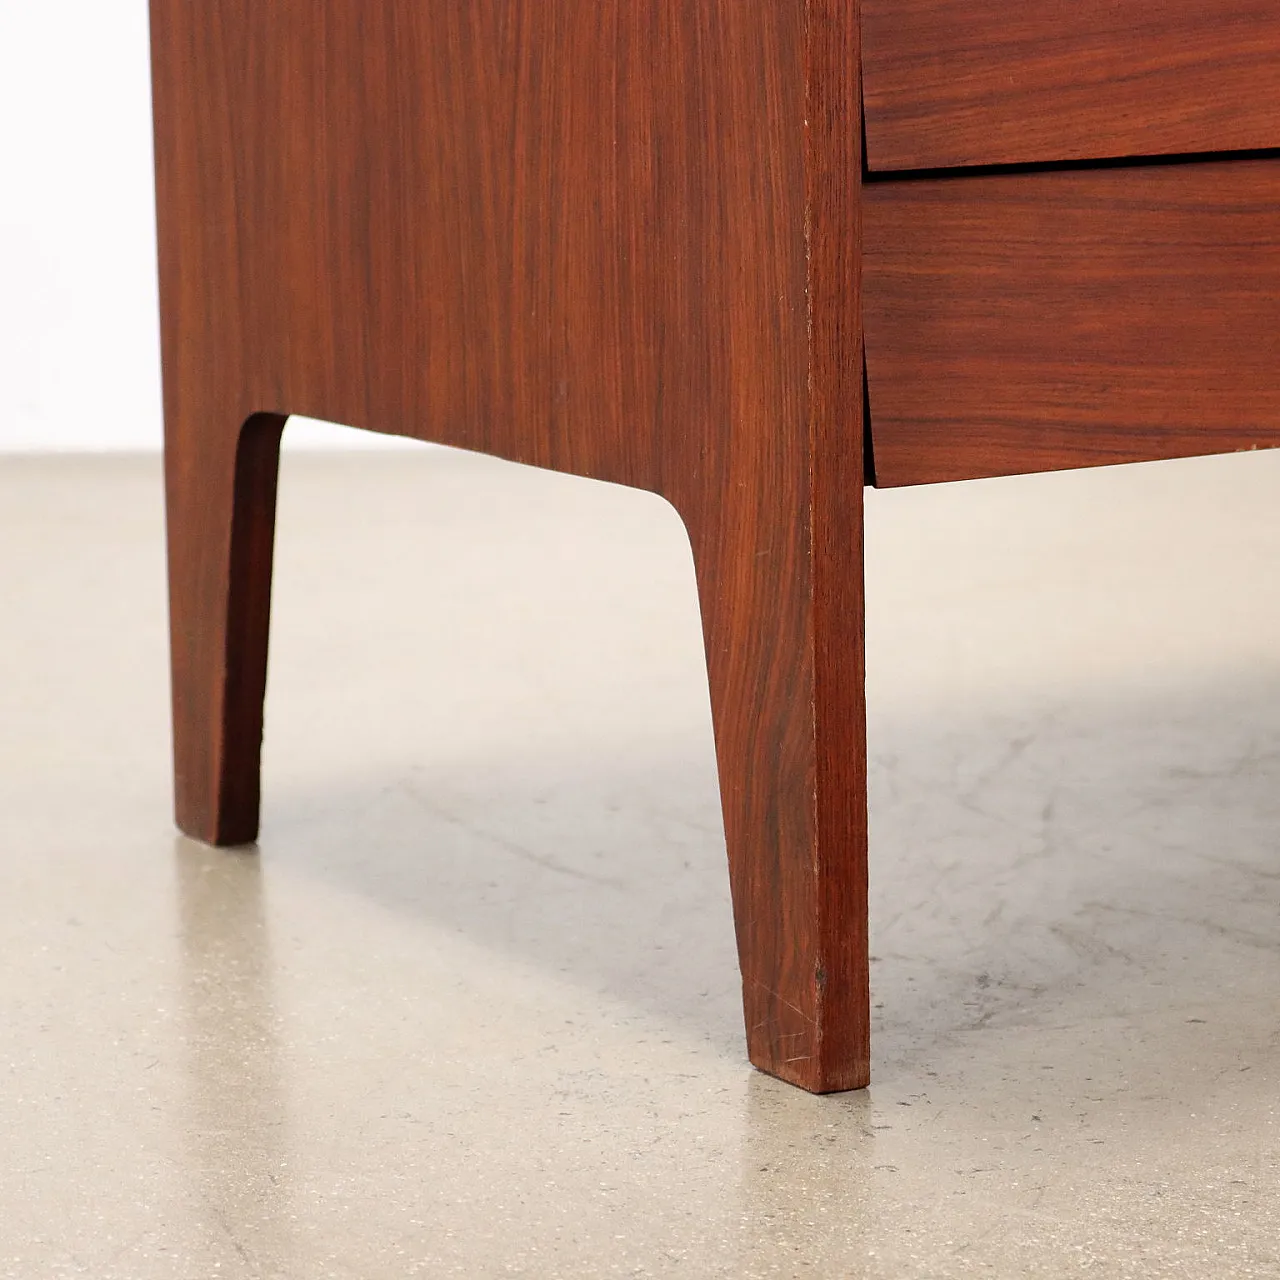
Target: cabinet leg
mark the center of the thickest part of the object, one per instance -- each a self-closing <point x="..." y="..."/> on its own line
<point x="220" y="488"/>
<point x="781" y="593"/>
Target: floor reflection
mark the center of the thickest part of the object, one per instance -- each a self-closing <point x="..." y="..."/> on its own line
<point x="806" y="1162"/>
<point x="238" y="1134"/>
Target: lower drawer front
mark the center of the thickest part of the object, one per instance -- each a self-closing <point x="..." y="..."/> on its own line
<point x="965" y="82"/>
<point x="1039" y="321"/>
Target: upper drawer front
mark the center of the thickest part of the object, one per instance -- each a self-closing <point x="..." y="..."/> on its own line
<point x="970" y="82"/>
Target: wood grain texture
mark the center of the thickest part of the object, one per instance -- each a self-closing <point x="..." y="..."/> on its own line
<point x="969" y="82"/>
<point x="221" y="499"/>
<point x="1040" y="321"/>
<point x="595" y="237"/>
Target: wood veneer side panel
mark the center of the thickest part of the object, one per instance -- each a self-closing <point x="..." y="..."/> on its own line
<point x="577" y="236"/>
<point x="1048" y="320"/>
<point x="967" y="82"/>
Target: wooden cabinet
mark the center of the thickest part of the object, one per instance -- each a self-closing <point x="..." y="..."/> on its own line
<point x="629" y="239"/>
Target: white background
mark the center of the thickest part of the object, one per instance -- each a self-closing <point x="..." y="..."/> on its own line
<point x="79" y="333"/>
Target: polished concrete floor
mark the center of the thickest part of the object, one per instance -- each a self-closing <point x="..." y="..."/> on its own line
<point x="471" y="1008"/>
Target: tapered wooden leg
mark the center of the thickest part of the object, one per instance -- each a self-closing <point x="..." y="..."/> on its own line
<point x="773" y="505"/>
<point x="781" y="591"/>
<point x="220" y="481"/>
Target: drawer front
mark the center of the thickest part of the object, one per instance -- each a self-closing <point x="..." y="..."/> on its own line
<point x="1037" y="321"/>
<point x="972" y="82"/>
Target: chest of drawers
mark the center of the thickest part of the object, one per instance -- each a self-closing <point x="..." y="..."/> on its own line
<point x="643" y="240"/>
